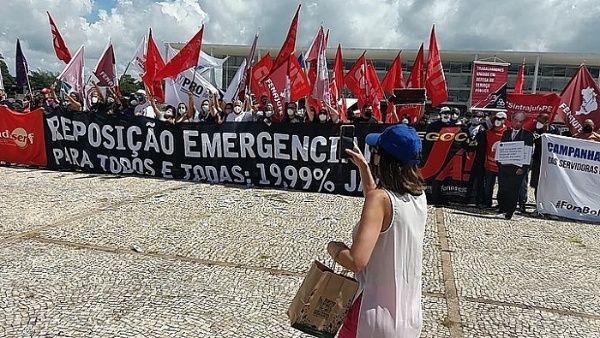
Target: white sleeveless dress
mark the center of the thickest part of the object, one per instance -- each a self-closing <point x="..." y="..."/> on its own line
<point x="391" y="281"/>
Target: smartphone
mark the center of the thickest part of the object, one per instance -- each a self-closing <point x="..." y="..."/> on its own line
<point x="346" y="140"/>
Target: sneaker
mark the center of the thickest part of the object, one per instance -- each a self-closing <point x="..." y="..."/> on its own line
<point x="500" y="216"/>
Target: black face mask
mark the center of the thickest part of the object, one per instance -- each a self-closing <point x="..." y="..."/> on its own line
<point x="587" y="128"/>
<point x="368" y="113"/>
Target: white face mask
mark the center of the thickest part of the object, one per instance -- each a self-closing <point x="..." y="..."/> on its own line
<point x="237" y="109"/>
<point x="405" y="121"/>
<point x="322" y="117"/>
<point x="445" y="118"/>
<point x="205" y="108"/>
<point x="539" y="125"/>
<point x="498" y="123"/>
<point x="268" y="113"/>
<point x="455" y="117"/>
<point x="290" y="112"/>
<point x="260" y="113"/>
<point x="301" y="112"/>
<point x="94" y="99"/>
<point x="133" y="102"/>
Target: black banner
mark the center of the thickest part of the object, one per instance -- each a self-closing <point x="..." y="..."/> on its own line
<point x="291" y="156"/>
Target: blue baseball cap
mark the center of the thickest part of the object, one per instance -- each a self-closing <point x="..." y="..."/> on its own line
<point x="399" y="141"/>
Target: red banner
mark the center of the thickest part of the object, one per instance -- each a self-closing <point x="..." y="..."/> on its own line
<point x="22" y="137"/>
<point x="532" y="105"/>
<point x="488" y="82"/>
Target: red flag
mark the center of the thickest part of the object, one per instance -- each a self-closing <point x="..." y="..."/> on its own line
<point x="321" y="85"/>
<point x="258" y="73"/>
<point x="289" y="45"/>
<point x="374" y="91"/>
<point x="355" y="79"/>
<point x="415" y="79"/>
<point x="276" y="84"/>
<point x="579" y="101"/>
<point x="315" y="46"/>
<point x="435" y="81"/>
<point x="154" y="62"/>
<point x="532" y="105"/>
<point x="188" y="57"/>
<point x="60" y="48"/>
<point x="337" y="84"/>
<point x="105" y="69"/>
<point x="393" y="79"/>
<point x="520" y="80"/>
<point x="299" y="85"/>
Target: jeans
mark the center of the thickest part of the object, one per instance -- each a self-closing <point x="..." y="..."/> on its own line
<point x="489" y="181"/>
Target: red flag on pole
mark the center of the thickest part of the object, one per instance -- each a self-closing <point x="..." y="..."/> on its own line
<point x="393" y="79"/>
<point x="355" y="79"/>
<point x="188" y="57"/>
<point x="289" y="45"/>
<point x="415" y="79"/>
<point x="60" y="48"/>
<point x="520" y="80"/>
<point x="579" y="101"/>
<point x="337" y="84"/>
<point x="105" y="68"/>
<point x="299" y="85"/>
<point x="154" y="62"/>
<point x="435" y="81"/>
<point x="275" y="83"/>
<point x="374" y="91"/>
<point x="258" y="73"/>
<point x="312" y="53"/>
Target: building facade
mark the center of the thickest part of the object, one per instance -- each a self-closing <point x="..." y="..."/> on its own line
<point x="553" y="69"/>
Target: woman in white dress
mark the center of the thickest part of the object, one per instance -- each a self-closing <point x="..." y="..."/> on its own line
<point x="387" y="244"/>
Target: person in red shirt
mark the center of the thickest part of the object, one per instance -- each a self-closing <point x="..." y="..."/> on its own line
<point x="492" y="138"/>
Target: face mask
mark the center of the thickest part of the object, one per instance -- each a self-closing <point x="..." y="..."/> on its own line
<point x="268" y="113"/>
<point x="587" y="128"/>
<point x="94" y="99"/>
<point x="445" y="118"/>
<point x="498" y="123"/>
<point x="455" y="117"/>
<point x="475" y="120"/>
<point x="356" y="114"/>
<point x="237" y="109"/>
<point x="290" y="112"/>
<point x="368" y="113"/>
<point x="110" y="100"/>
<point x="133" y="103"/>
<point x="539" y="125"/>
<point x="260" y="113"/>
<point x="405" y="121"/>
<point x="301" y="112"/>
<point x="205" y="108"/>
<point x="322" y="117"/>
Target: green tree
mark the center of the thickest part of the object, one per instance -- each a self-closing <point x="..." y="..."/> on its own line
<point x="42" y="79"/>
<point x="10" y="84"/>
<point x="128" y="84"/>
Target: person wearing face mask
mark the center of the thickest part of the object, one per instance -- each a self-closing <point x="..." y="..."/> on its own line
<point x="490" y="143"/>
<point x="142" y="106"/>
<point x="510" y="176"/>
<point x="455" y="118"/>
<point x="444" y="121"/>
<point x="405" y="119"/>
<point x="367" y="116"/>
<point x="291" y="110"/>
<point x="238" y="114"/>
<point x="588" y="132"/>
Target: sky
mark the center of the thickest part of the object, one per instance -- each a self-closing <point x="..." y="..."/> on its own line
<point x="521" y="25"/>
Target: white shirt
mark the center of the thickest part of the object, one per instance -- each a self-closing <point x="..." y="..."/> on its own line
<point x="245" y="116"/>
<point x="391" y="281"/>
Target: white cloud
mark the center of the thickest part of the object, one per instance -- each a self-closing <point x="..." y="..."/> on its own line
<point x="552" y="25"/>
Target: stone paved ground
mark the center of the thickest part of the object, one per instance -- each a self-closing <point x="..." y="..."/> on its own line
<point x="103" y="256"/>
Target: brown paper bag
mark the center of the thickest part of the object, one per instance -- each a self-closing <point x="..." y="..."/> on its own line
<point x="322" y="302"/>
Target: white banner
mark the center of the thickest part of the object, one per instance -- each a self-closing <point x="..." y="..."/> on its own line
<point x="569" y="183"/>
<point x="177" y="90"/>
